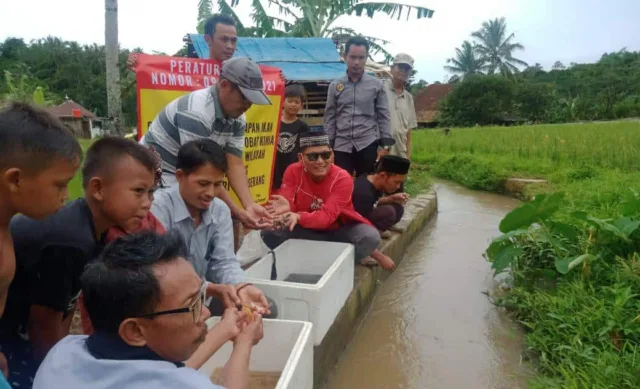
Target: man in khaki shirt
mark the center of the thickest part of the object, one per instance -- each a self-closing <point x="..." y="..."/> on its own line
<point x="401" y="107"/>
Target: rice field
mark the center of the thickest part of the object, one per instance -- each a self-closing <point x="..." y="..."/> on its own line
<point x="609" y="145"/>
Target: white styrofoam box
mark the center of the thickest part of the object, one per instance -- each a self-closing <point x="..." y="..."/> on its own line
<point x="317" y="303"/>
<point x="285" y="347"/>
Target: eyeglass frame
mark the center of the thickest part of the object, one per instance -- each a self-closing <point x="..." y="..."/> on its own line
<point x="191" y="308"/>
<point x="319" y="155"/>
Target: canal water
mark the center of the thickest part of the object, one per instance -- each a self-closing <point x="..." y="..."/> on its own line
<point x="431" y="326"/>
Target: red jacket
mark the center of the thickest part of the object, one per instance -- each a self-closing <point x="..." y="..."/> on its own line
<point x="113" y="233"/>
<point x="322" y="205"/>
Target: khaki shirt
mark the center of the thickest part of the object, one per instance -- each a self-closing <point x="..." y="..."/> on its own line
<point x="403" y="117"/>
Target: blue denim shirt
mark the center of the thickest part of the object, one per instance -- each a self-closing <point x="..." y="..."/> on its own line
<point x="210" y="244"/>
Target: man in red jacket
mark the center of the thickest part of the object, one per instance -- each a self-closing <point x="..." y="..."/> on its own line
<point x="314" y="202"/>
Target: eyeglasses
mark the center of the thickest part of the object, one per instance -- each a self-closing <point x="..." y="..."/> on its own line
<point x="325" y="155"/>
<point x="195" y="308"/>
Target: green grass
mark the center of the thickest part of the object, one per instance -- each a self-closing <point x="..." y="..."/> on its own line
<point x="583" y="331"/>
<point x="75" y="186"/>
<point x="611" y="145"/>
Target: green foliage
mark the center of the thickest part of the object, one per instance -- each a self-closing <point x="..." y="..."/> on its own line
<point x="64" y="68"/>
<point x="571" y="253"/>
<point x="496" y="47"/>
<point x="533" y="101"/>
<point x="478" y="100"/>
<point x="466" y="62"/>
<point x="314" y="18"/>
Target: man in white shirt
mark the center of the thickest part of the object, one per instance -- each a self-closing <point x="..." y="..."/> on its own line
<point x="146" y="304"/>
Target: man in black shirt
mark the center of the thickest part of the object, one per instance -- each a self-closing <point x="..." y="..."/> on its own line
<point x="290" y="128"/>
<point x="375" y="197"/>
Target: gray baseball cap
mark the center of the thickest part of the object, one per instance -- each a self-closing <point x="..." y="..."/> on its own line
<point x="245" y="73"/>
<point x="403" y="58"/>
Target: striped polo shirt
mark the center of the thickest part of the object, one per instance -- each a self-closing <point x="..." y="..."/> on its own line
<point x="194" y="116"/>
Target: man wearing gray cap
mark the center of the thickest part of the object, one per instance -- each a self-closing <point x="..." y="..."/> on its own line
<point x="216" y="113"/>
<point x="401" y="107"/>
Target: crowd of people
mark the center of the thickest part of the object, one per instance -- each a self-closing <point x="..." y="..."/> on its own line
<point x="148" y="254"/>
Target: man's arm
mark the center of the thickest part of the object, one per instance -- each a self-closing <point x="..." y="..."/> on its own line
<point x="225" y="196"/>
<point x="413" y="123"/>
<point x="237" y="176"/>
<point x="288" y="187"/>
<point x="236" y="371"/>
<point x="330" y="113"/>
<point x="384" y="118"/>
<point x="224" y="267"/>
<point x="46" y="327"/>
<point x="52" y="292"/>
<point x="363" y="200"/>
<point x="339" y="199"/>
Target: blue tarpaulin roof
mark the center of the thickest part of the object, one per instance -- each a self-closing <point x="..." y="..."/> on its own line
<point x="300" y="59"/>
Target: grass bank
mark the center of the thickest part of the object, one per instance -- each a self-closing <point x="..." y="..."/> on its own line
<point x="573" y="256"/>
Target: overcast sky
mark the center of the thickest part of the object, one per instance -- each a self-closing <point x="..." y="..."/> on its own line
<point x="550" y="30"/>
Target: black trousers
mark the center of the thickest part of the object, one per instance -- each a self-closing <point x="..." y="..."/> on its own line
<point x="362" y="162"/>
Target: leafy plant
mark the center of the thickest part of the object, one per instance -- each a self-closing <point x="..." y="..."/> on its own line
<point x="534" y="221"/>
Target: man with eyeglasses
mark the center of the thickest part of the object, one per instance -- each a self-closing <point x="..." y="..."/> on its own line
<point x="215" y="113"/>
<point x="314" y="202"/>
<point x="146" y="303"/>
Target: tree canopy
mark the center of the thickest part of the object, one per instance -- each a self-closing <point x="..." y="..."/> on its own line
<point x="311" y="18"/>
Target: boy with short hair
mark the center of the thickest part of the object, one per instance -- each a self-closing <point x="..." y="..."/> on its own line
<point x="290" y="127"/>
<point x="204" y="220"/>
<point x="38" y="158"/>
<point x="118" y="178"/>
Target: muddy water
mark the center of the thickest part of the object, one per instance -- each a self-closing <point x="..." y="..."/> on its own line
<point x="430" y="325"/>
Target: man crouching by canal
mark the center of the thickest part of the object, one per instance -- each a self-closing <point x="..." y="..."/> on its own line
<point x="376" y="197"/>
<point x="314" y="202"/>
<point x="146" y="304"/>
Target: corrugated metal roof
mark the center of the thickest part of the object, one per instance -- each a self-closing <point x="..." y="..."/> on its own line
<point x="301" y="59"/>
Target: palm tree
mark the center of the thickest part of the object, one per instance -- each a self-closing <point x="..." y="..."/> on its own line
<point x="466" y="62"/>
<point x="312" y="18"/>
<point x="496" y="47"/>
<point x="114" y="124"/>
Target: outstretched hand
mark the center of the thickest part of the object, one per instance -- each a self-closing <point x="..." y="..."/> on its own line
<point x="278" y="205"/>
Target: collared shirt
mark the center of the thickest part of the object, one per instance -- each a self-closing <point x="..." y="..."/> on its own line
<point x="403" y="117"/>
<point x="210" y="244"/>
<point x="71" y="364"/>
<point x="357" y="114"/>
<point x="194" y="116"/>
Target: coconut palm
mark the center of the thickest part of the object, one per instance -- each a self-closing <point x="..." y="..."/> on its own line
<point x="311" y="18"/>
<point x="496" y="47"/>
<point x="466" y="62"/>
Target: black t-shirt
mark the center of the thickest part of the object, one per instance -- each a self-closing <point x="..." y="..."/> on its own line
<point x="365" y="196"/>
<point x="287" y="152"/>
<point x="50" y="257"/>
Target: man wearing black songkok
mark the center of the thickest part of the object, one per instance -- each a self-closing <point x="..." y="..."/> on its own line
<point x="375" y="197"/>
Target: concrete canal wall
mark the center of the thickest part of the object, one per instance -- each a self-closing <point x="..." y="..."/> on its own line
<point x="418" y="212"/>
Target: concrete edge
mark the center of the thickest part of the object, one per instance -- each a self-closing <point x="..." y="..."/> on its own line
<point x="418" y="212"/>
